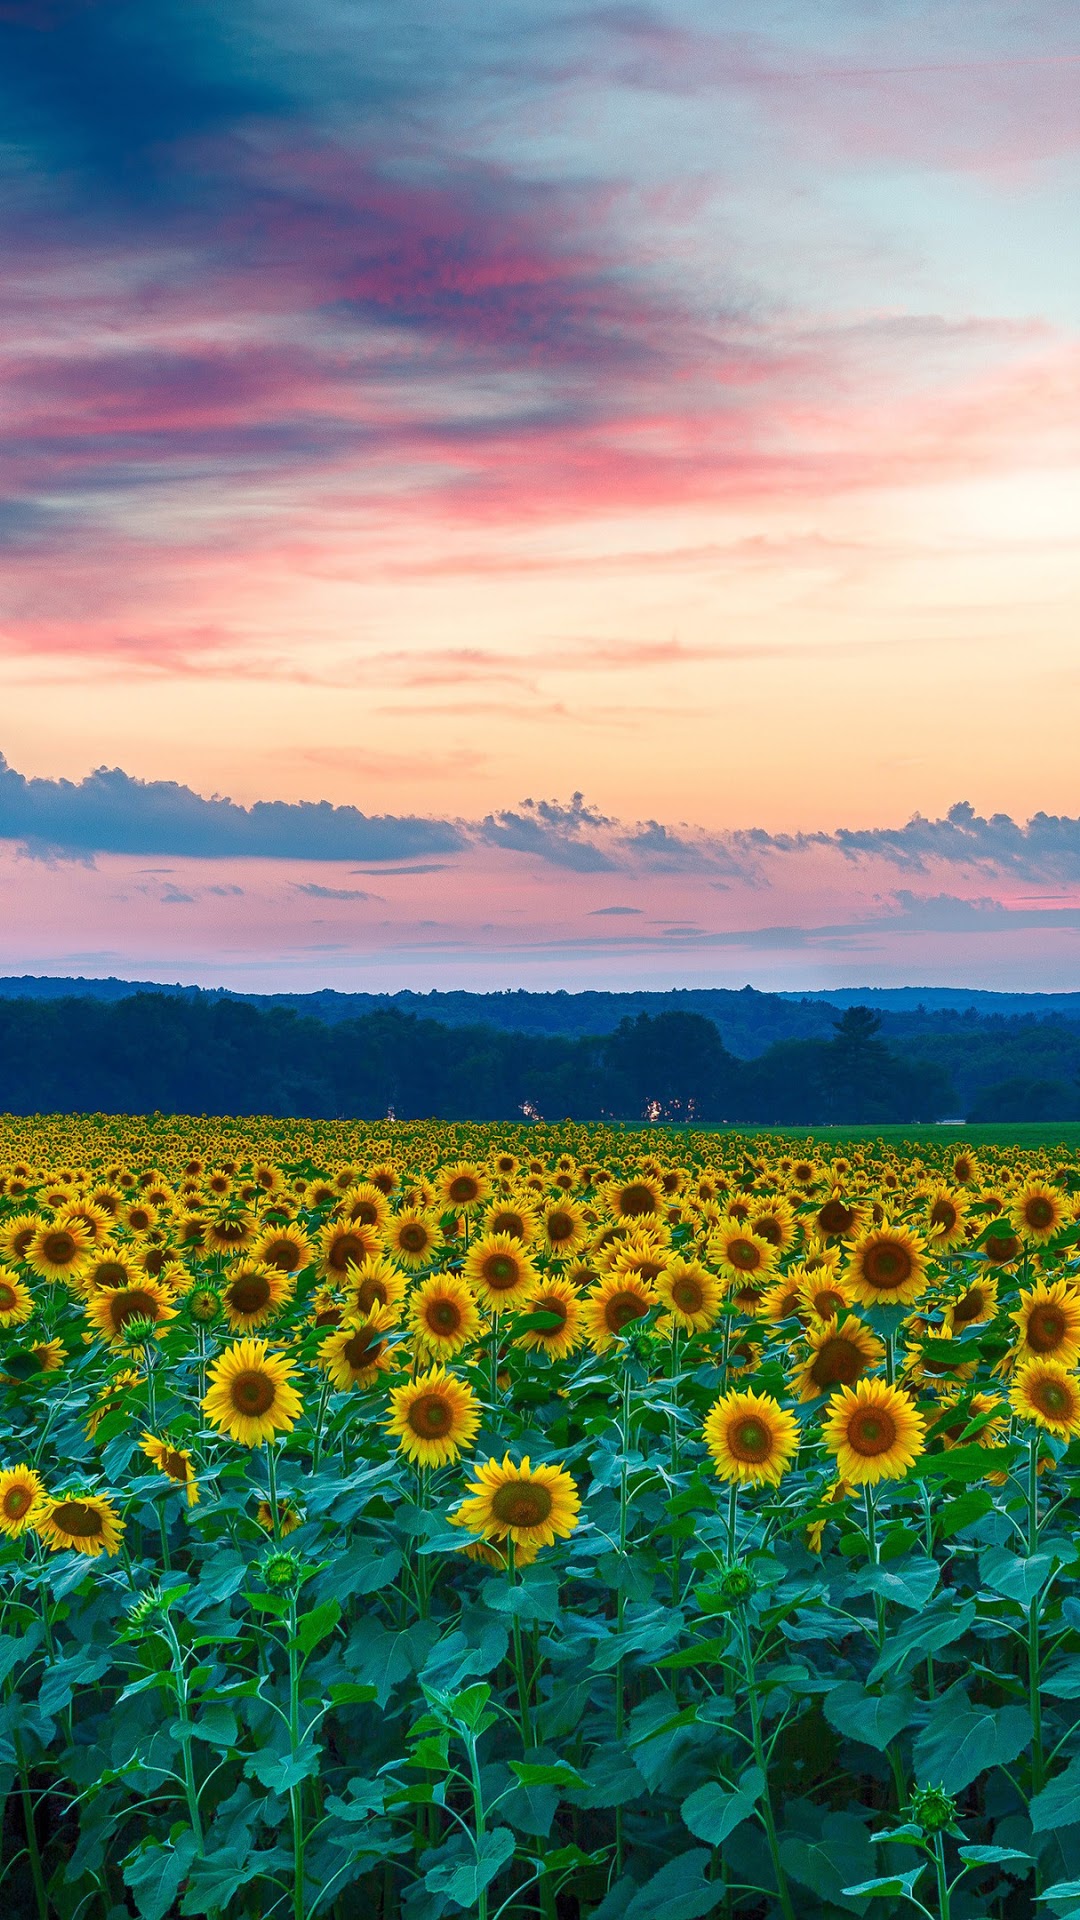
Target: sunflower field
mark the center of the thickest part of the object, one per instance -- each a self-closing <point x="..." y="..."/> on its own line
<point x="421" y="1520"/>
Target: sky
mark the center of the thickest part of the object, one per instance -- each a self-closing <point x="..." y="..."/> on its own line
<point x="540" y="494"/>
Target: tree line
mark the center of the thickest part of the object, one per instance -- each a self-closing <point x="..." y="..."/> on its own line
<point x="160" y="1053"/>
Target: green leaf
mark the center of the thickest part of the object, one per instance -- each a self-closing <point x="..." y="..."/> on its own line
<point x="832" y="1862"/>
<point x="349" y="1693"/>
<point x="1055" y="1806"/>
<point x="712" y="1812"/>
<point x="536" y="1774"/>
<point x="1065" y="1683"/>
<point x="895" y="1883"/>
<point x="214" y="1881"/>
<point x="962" y="1463"/>
<point x="1013" y="1576"/>
<point x="959" y="1741"/>
<point x="464" y="1880"/>
<point x="314" y="1626"/>
<point x="216" y="1723"/>
<point x="910" y="1585"/>
<point x="873" y="1718"/>
<point x="703" y="1653"/>
<point x="679" y="1891"/>
<point x="155" y="1875"/>
<point x="277" y="1772"/>
<point x="994" y="1856"/>
<point x="1063" y="1892"/>
<point x="941" y="1624"/>
<point x="962" y="1512"/>
<point x="18" y="1646"/>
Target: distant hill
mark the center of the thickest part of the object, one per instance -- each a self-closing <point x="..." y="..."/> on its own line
<point x="749" y="1020"/>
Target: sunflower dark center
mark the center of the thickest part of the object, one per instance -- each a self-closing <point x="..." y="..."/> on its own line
<point x="249" y="1293"/>
<point x="77" y="1518"/>
<point x="887" y="1266"/>
<point x="749" y="1439"/>
<point x="284" y="1254"/>
<point x="834" y="1217"/>
<point x="463" y="1190"/>
<point x="347" y="1250"/>
<point x="837" y="1363"/>
<point x="560" y="1226"/>
<point x="134" y="1304"/>
<point x="522" y="1503"/>
<point x="622" y="1308"/>
<point x="500" y="1271"/>
<point x="637" y="1199"/>
<point x="17" y="1501"/>
<point x="1039" y="1212"/>
<point x="871" y="1430"/>
<point x="1046" y="1329"/>
<point x="443" y="1316"/>
<point x="431" y="1416"/>
<point x="744" y="1255"/>
<point x="253" y="1392"/>
<point x="413" y="1238"/>
<point x="59" y="1248"/>
<point x="969" y="1308"/>
<point x="688" y="1294"/>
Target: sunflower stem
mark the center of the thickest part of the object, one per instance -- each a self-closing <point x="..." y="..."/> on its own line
<point x="183" y="1710"/>
<point x="272" y="1493"/>
<point x="320" y="1416"/>
<point x="762" y="1763"/>
<point x="1034" y="1653"/>
<point x="296" y="1801"/>
<point x="41" y="1897"/>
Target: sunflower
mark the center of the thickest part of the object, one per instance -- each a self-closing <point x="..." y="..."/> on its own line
<point x="564" y="1229"/>
<point x="288" y="1517"/>
<point x="1048" y="1318"/>
<point x="97" y="1222"/>
<point x="377" y="1283"/>
<point x="59" y="1251"/>
<point x="1038" y="1212"/>
<point x="875" y="1431"/>
<point x="463" y="1185"/>
<point x="559" y="1299"/>
<point x="345" y="1244"/>
<point x="500" y="1271"/>
<point x="1045" y="1392"/>
<point x="251" y="1397"/>
<point x="253" y="1293"/>
<point x="355" y="1353"/>
<point x="433" y="1417"/>
<point x="363" y="1204"/>
<point x="139" y="1216"/>
<point x="945" y="1220"/>
<point x="779" y="1302"/>
<point x="840" y="1352"/>
<point x="640" y="1254"/>
<point x="443" y="1315"/>
<point x="110" y="1266"/>
<point x="1001" y="1247"/>
<point x="286" y="1248"/>
<point x="512" y="1217"/>
<point x="20" y="1491"/>
<point x="47" y="1357"/>
<point x="822" y="1296"/>
<point x="886" y="1268"/>
<point x="412" y="1237"/>
<point x="16" y="1301"/>
<point x="775" y="1223"/>
<point x="840" y="1219"/>
<point x="174" y="1463"/>
<point x="690" y="1293"/>
<point x="975" y="1307"/>
<point x="637" y="1198"/>
<point x="741" y="1254"/>
<point x="80" y="1522"/>
<point x="231" y="1232"/>
<point x="111" y="1308"/>
<point x="530" y="1506"/>
<point x="750" y="1437"/>
<point x="16" y="1235"/>
<point x="609" y="1309"/>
